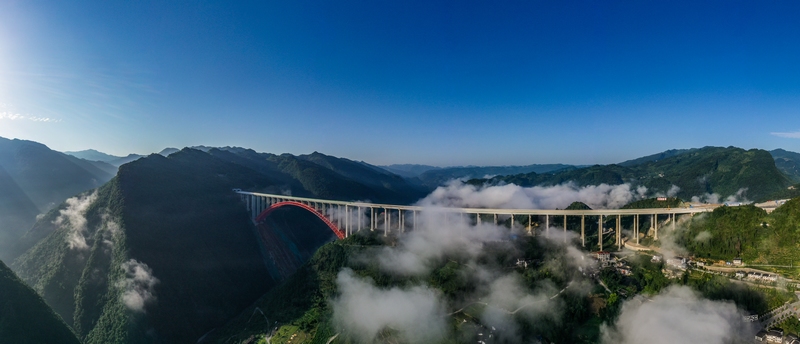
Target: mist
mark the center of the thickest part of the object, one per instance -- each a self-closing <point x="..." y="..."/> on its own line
<point x="511" y="196"/>
<point x="417" y="313"/>
<point x="420" y="313"/>
<point x="137" y="286"/>
<point x="678" y="315"/>
<point x="73" y="220"/>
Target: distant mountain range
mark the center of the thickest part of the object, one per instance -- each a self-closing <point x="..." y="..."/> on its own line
<point x="696" y="172"/>
<point x="165" y="238"/>
<point x="33" y="180"/>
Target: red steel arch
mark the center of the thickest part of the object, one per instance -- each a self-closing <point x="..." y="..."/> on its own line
<point x="322" y="217"/>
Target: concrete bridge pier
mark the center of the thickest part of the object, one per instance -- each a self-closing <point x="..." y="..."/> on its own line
<point x="529" y="225"/>
<point x="547" y="224"/>
<point x="600" y="232"/>
<point x="655" y="226"/>
<point x="565" y="228"/>
<point x="619" y="233"/>
<point x="583" y="231"/>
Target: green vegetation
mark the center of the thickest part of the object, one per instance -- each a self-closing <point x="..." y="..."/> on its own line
<point x="671" y="202"/>
<point x="33" y="179"/>
<point x="788" y="163"/>
<point x="747" y="232"/>
<point x="697" y="172"/>
<point x="436" y="177"/>
<point x="25" y="317"/>
<point x="177" y="217"/>
<point x="300" y="308"/>
<point x="790" y="326"/>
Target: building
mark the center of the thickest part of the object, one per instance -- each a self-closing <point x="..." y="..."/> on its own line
<point x="677" y="262"/>
<point x="775" y="336"/>
<point x="761" y="336"/>
<point x="656" y="259"/>
<point x="737" y="261"/>
<point x="740" y="274"/>
<point x="602" y="256"/>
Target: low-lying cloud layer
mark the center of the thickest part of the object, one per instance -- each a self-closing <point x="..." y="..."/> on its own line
<point x="419" y="313"/>
<point x="511" y="196"/>
<point x="416" y="313"/>
<point x="73" y="219"/>
<point x="678" y="315"/>
<point x="714" y="198"/>
<point x="137" y="286"/>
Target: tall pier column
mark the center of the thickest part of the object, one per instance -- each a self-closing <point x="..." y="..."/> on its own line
<point x="673" y="222"/>
<point x="530" y="225"/>
<point x="600" y="232"/>
<point x="547" y="224"/>
<point x="619" y="233"/>
<point x="512" y="221"/>
<point x="346" y="219"/>
<point x="401" y="220"/>
<point x="565" y="227"/>
<point x="583" y="231"/>
<point x="413" y="219"/>
<point x="636" y="227"/>
<point x="655" y="225"/>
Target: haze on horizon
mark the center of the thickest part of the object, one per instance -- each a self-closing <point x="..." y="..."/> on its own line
<point x="438" y="83"/>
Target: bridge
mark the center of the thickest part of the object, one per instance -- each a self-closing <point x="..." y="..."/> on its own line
<point x="345" y="218"/>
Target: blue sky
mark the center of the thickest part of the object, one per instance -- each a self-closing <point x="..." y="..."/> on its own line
<point x="441" y="83"/>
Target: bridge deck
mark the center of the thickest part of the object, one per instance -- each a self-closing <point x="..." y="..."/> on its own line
<point x="499" y="211"/>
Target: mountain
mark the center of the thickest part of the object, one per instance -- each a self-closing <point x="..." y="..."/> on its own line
<point x="33" y="180"/>
<point x="324" y="176"/>
<point x="168" y="151"/>
<point x="745" y="174"/>
<point x="437" y="177"/>
<point x="655" y="157"/>
<point x="369" y="175"/>
<point x="93" y="155"/>
<point x="747" y="232"/>
<point x="164" y="252"/>
<point x="408" y="170"/>
<point x="126" y="159"/>
<point x="788" y="162"/>
<point x="167" y="239"/>
<point x="25" y="317"/>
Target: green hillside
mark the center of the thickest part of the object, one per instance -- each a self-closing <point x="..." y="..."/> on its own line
<point x="436" y="177"/>
<point x="697" y="172"/>
<point x="302" y="311"/>
<point x="166" y="254"/>
<point x="788" y="162"/>
<point x="25" y="318"/>
<point x="34" y="179"/>
<point x="324" y="176"/>
<point x="747" y="232"/>
<point x="176" y="220"/>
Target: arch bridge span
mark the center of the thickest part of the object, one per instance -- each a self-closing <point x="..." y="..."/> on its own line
<point x="345" y="218"/>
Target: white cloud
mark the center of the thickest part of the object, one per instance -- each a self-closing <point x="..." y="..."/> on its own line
<point x="15" y="117"/>
<point x="788" y="135"/>
<point x="75" y="216"/>
<point x="678" y="315"/>
<point x="363" y="310"/>
<point x="137" y="286"/>
<point x="511" y="196"/>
